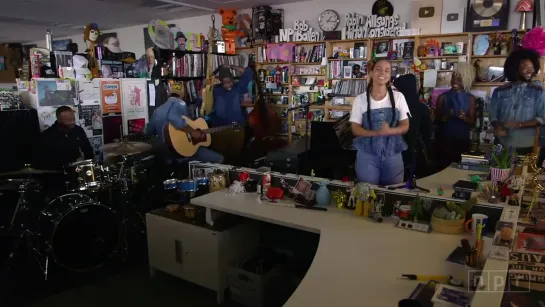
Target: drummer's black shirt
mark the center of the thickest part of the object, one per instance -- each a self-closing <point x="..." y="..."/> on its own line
<point x="59" y="147"/>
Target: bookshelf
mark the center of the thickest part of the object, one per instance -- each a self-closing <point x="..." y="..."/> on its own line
<point x="329" y="76"/>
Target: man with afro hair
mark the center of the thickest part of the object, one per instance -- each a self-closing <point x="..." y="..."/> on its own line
<point x="518" y="107"/>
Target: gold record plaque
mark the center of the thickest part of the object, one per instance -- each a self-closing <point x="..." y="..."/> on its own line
<point x="487" y="15"/>
<point x="488" y="8"/>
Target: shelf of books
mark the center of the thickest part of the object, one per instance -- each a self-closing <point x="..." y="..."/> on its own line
<point x="328" y="75"/>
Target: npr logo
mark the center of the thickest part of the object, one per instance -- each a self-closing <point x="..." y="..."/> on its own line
<point x="514" y="281"/>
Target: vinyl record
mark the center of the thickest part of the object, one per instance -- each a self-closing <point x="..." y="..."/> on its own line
<point x="488" y="8"/>
<point x="382" y="8"/>
<point x="160" y="34"/>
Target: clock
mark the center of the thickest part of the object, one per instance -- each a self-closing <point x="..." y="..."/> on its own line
<point x="329" y="20"/>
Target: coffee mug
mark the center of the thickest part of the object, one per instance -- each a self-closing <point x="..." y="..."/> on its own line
<point x="477" y="219"/>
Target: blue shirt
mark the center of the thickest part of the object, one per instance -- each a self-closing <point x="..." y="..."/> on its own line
<point x="457" y="102"/>
<point x="169" y="112"/>
<point x="518" y="102"/>
<point x="227" y="108"/>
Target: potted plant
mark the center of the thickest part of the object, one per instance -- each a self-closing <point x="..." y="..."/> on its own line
<point x="501" y="160"/>
<point x="498" y="41"/>
<point x="450" y="217"/>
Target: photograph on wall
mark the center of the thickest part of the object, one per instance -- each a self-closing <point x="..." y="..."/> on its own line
<point x="134" y="101"/>
<point x="98" y="146"/>
<point x="110" y="93"/>
<point x="382" y="48"/>
<point x="47" y="116"/>
<point x="148" y="43"/>
<point x="91" y="119"/>
<point x="110" y="41"/>
<point x="61" y="44"/>
<point x="136" y="125"/>
<point x="55" y="92"/>
<point x="89" y="92"/>
<point x="111" y="128"/>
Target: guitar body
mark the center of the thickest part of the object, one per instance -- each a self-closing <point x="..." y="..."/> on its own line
<point x="181" y="141"/>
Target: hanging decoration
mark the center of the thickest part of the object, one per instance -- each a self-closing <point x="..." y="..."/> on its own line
<point x="383" y="26"/>
<point x="355" y="26"/>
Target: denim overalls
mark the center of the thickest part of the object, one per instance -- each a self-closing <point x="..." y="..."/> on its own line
<point x="379" y="159"/>
<point x="518" y="102"/>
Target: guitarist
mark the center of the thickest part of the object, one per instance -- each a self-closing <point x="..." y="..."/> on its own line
<point x="228" y="96"/>
<point x="171" y="112"/>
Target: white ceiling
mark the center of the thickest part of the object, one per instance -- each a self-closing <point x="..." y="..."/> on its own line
<point x="28" y="20"/>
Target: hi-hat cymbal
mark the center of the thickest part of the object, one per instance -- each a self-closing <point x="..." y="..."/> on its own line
<point x="126" y="148"/>
<point x="27" y="171"/>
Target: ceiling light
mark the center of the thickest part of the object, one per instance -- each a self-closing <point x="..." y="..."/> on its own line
<point x="189" y="5"/>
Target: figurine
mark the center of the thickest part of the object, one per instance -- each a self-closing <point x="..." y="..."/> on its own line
<point x="229" y="30"/>
<point x="441" y="191"/>
<point x="90" y="36"/>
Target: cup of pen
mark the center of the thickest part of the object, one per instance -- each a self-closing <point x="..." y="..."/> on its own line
<point x="477" y="221"/>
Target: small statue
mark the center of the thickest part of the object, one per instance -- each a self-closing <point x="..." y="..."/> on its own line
<point x="229" y="30"/>
<point x="90" y="36"/>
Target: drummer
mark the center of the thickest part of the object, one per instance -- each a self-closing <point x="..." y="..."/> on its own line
<point x="64" y="142"/>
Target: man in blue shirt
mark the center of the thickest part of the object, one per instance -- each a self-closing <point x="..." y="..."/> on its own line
<point x="228" y="96"/>
<point x="171" y="112"/>
<point x="518" y="108"/>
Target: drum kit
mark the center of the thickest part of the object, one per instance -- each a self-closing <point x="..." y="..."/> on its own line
<point x="82" y="229"/>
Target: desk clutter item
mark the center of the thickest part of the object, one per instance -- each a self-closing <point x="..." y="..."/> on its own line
<point x="414" y="226"/>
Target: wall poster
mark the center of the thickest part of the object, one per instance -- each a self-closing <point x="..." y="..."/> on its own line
<point x="135" y="105"/>
<point x="110" y="93"/>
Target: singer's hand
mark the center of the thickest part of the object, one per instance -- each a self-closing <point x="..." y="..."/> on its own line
<point x="385" y="129"/>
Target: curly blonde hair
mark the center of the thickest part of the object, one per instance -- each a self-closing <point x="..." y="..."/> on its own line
<point x="467" y="73"/>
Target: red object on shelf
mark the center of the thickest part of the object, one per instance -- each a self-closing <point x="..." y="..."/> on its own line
<point x="244" y="176"/>
<point x="275" y="193"/>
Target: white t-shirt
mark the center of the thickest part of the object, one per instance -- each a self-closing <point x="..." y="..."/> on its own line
<point x="360" y="106"/>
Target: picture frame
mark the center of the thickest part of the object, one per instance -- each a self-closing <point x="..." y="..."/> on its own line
<point x="347" y="72"/>
<point x="382" y="49"/>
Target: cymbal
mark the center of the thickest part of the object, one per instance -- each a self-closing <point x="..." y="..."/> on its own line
<point x="28" y="171"/>
<point x="126" y="148"/>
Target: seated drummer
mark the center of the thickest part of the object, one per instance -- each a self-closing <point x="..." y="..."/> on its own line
<point x="171" y="112"/>
<point x="227" y="109"/>
<point x="64" y="142"/>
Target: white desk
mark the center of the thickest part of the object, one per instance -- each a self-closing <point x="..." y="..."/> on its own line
<point x="358" y="262"/>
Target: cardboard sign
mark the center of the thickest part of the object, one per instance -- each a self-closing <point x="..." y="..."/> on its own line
<point x="110" y="96"/>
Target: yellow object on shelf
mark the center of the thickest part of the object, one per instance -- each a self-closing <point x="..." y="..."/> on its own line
<point x="359" y="207"/>
<point x="366" y="208"/>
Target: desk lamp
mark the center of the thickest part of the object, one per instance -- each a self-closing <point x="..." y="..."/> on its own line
<point x="523" y="7"/>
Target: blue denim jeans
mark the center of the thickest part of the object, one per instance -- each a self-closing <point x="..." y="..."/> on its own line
<point x="379" y="169"/>
<point x="203" y="154"/>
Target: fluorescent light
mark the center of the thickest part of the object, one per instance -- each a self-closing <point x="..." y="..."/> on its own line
<point x="188" y="5"/>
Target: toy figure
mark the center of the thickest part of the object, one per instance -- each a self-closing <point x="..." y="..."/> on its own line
<point x="90" y="36"/>
<point x="229" y="30"/>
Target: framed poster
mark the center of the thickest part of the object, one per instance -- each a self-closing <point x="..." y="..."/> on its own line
<point x="110" y="96"/>
<point x="134" y="104"/>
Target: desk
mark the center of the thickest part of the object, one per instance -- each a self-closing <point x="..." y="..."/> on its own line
<point x="358" y="262"/>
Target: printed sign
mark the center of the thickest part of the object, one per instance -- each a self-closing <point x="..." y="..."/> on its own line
<point x="110" y="95"/>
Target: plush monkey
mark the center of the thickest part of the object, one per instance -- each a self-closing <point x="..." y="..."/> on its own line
<point x="90" y="36"/>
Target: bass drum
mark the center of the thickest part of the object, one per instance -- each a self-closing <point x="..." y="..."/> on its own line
<point x="80" y="233"/>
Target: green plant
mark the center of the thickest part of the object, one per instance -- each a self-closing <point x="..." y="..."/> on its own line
<point x="453" y="211"/>
<point x="501" y="157"/>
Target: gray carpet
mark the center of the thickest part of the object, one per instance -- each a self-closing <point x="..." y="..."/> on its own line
<point x="135" y="288"/>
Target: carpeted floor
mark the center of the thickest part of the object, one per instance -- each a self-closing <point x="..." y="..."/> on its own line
<point x="134" y="288"/>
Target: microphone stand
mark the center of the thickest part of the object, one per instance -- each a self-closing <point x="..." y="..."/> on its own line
<point x="306" y="108"/>
<point x="411" y="181"/>
<point x="479" y="128"/>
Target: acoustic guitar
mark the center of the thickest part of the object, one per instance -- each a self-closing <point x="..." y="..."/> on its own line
<point x="182" y="143"/>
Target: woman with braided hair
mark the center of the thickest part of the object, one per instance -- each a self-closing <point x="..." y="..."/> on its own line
<point x="379" y="118"/>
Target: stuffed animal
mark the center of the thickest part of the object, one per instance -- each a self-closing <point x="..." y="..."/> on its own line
<point x="90" y="36"/>
<point x="229" y="30"/>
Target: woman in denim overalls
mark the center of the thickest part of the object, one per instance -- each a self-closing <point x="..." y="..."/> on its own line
<point x="379" y="119"/>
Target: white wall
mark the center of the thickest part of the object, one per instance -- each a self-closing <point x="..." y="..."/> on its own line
<point x="132" y="38"/>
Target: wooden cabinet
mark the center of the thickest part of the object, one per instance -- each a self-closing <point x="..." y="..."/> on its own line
<point x="198" y="254"/>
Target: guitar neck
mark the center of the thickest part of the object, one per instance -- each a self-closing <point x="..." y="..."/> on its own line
<point x="217" y="129"/>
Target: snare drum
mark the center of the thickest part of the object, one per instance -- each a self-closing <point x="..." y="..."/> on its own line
<point x="84" y="175"/>
<point x="170" y="184"/>
<point x="187" y="185"/>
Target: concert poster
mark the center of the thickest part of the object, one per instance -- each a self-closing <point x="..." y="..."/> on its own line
<point x="136" y="125"/>
<point x="112" y="128"/>
<point x="135" y="104"/>
<point x="98" y="146"/>
<point x="110" y="96"/>
<point x="91" y="120"/>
